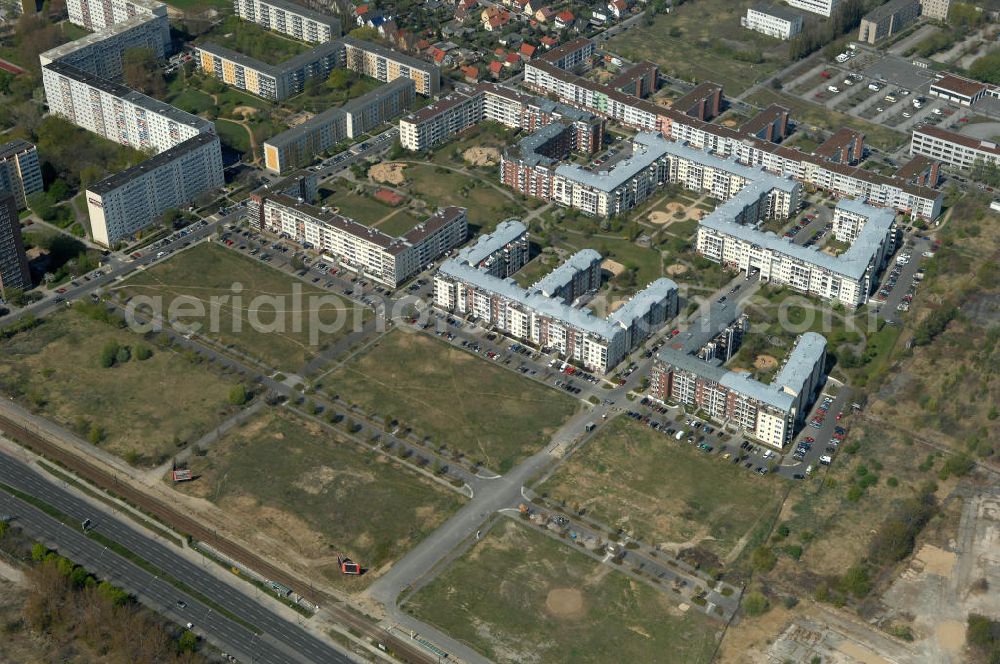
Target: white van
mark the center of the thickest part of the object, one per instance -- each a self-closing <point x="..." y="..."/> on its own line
<point x="826" y="459"/>
<point x="842" y="58"/>
<point x="833" y="88"/>
<point x="679" y="435"/>
<point x="874" y="87"/>
<point x="809" y="470"/>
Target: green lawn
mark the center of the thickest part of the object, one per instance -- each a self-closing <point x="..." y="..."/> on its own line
<point x="198" y="6"/>
<point x="489" y="413"/>
<point x="360" y="207"/>
<point x="193" y="101"/>
<point x="400" y="222"/>
<point x="538" y="267"/>
<point x="141" y="405"/>
<point x="488" y="205"/>
<point x="666" y="492"/>
<point x="318" y="98"/>
<point x="687" y="45"/>
<point x="521" y="596"/>
<point x="286" y="477"/>
<point x="208" y="270"/>
<point x="814" y="116"/>
<point x="233" y="135"/>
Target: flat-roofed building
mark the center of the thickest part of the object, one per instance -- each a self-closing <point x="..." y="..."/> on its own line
<point x="102" y="53"/>
<point x="96" y="15"/>
<point x="14" y="273"/>
<point x="366" y="250"/>
<point x="274" y="82"/>
<point x="129" y="201"/>
<point x="773" y="21"/>
<point x="821" y="7"/>
<point x="771" y="412"/>
<point x="20" y="172"/>
<point x="953" y="148"/>
<point x="888" y="19"/>
<point x="501" y="252"/>
<point x="384" y="64"/>
<point x="289" y="18"/>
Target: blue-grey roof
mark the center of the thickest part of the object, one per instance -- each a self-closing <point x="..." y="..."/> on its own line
<point x="809" y="349"/>
<point x="644" y="154"/>
<point x="563" y="275"/>
<point x="506" y="232"/>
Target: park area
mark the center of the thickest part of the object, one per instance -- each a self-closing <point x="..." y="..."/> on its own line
<point x="305" y="496"/>
<point x="665" y="493"/>
<point x="687" y="46"/>
<point x="139" y="407"/>
<point x="521" y="596"/>
<point x="489" y="414"/>
<point x="260" y="315"/>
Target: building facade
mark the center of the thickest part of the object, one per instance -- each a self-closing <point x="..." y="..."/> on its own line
<point x="384" y="64"/>
<point x="953" y="148"/>
<point x="772" y="21"/>
<point x="887" y="20"/>
<point x="368" y="251"/>
<point x="101" y="53"/>
<point x="936" y="9"/>
<point x="95" y="15"/>
<point x="20" y="172"/>
<point x="960" y="90"/>
<point x="127" y="202"/>
<point x="13" y="261"/>
<point x="821" y="7"/>
<point x="771" y="413"/>
<point x="289" y="18"/>
<point x="274" y="82"/>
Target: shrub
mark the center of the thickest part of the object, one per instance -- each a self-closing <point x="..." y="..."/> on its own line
<point x="763" y="559"/>
<point x="755" y="604"/>
<point x="143" y="352"/>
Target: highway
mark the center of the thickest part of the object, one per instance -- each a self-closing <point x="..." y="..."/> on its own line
<point x="280" y="641"/>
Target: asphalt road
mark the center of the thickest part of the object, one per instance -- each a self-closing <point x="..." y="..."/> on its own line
<point x="281" y="641"/>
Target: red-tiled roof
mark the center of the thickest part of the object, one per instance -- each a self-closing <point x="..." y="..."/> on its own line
<point x="962" y="86"/>
<point x="527" y="50"/>
<point x="565" y="15"/>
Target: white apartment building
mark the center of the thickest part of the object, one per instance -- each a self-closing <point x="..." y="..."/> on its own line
<point x="290" y="19"/>
<point x="772" y="21"/>
<point x="821" y="7"/>
<point x="127" y="202"/>
<point x="768" y="412"/>
<point x="531" y="315"/>
<point x="96" y="15"/>
<point x="848" y="278"/>
<point x="937" y="9"/>
<point x="101" y="53"/>
<point x="953" y="148"/>
<point x="117" y="112"/>
<point x="383" y="258"/>
<point x="501" y="252"/>
<point x="20" y="172"/>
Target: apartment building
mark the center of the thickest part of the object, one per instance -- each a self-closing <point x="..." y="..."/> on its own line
<point x="952" y="148"/>
<point x="116" y="112"/>
<point x="530" y="315"/>
<point x="575" y="55"/>
<point x="821" y="7"/>
<point x="500" y="253"/>
<point x="101" y="53"/>
<point x="274" y="82"/>
<point x="14" y="271"/>
<point x="936" y="9"/>
<point x="579" y="275"/>
<point x="848" y="278"/>
<point x="368" y="251"/>
<point x="20" y="172"/>
<point x="778" y="22"/>
<point x="771" y="413"/>
<point x="289" y="18"/>
<point x="384" y="64"/>
<point x="887" y="20"/>
<point x="95" y="15"/>
<point x="438" y="122"/>
<point x="301" y="144"/>
<point x="129" y="201"/>
<point x="770" y="124"/>
<point x="724" y="345"/>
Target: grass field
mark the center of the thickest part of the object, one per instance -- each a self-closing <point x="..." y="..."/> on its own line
<point x="400" y="222"/>
<point x="208" y="270"/>
<point x="666" y="492"/>
<point x="812" y="115"/>
<point x="319" y="496"/>
<point x="521" y="596"/>
<point x="233" y="135"/>
<point x="360" y="207"/>
<point x="141" y="405"/>
<point x="684" y="44"/>
<point x="193" y="101"/>
<point x="198" y="6"/>
<point x="538" y="267"/>
<point x="488" y="205"/>
<point x="491" y="414"/>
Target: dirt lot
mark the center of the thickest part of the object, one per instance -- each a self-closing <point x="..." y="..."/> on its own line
<point x="614" y="267"/>
<point x="519" y="596"/>
<point x="303" y="496"/>
<point x="670" y="215"/>
<point x="480" y="156"/>
<point x="388" y="173"/>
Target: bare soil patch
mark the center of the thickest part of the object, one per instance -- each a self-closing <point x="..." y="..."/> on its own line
<point x="765" y="362"/>
<point x="565" y="603"/>
<point x="388" y="173"/>
<point x="676" y="269"/>
<point x="614" y="267"/>
<point x="670" y="216"/>
<point x="245" y="111"/>
<point x="482" y="156"/>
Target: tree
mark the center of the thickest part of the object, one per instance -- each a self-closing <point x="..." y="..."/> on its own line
<point x="238" y="394"/>
<point x="188" y="641"/>
<point x="365" y="33"/>
<point x="987" y="68"/>
<point x="142" y="72"/>
<point x="96" y="434"/>
<point x="143" y="352"/>
<point x="755" y="604"/>
<point x="108" y="354"/>
<point x="123" y="355"/>
<point x="763" y="559"/>
<point x="41" y="204"/>
<point x="338" y="79"/>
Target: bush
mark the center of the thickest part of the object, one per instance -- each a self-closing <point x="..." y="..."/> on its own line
<point x="763" y="559"/>
<point x="958" y="465"/>
<point x="109" y="352"/>
<point x="123" y="355"/>
<point x="143" y="352"/>
<point x="856" y="582"/>
<point x="238" y="394"/>
<point x="755" y="604"/>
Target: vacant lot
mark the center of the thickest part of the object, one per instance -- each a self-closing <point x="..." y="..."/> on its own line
<point x="686" y="45"/>
<point x="138" y="405"/>
<point x="261" y="316"/>
<point x="296" y="490"/>
<point x="663" y="491"/>
<point x="490" y="414"/>
<point x="520" y="596"/>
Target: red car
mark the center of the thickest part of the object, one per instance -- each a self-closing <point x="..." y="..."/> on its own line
<point x="675" y="333"/>
<point x="60" y="290"/>
<point x="137" y="255"/>
<point x="825" y="74"/>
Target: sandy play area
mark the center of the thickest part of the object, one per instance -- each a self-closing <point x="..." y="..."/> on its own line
<point x="668" y="217"/>
<point x="765" y="362"/>
<point x="676" y="269"/>
<point x="245" y="111"/>
<point x="388" y="173"/>
<point x="482" y="156"/>
<point x="614" y="267"/>
<point x="729" y="123"/>
<point x="564" y="602"/>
